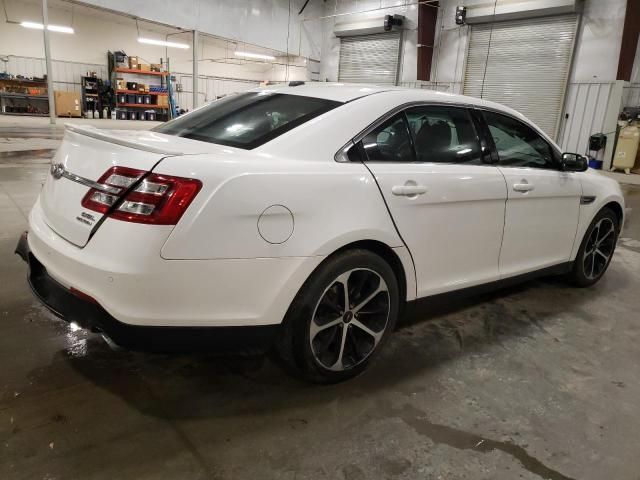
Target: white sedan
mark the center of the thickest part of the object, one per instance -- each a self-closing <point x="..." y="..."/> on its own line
<point x="303" y="217"/>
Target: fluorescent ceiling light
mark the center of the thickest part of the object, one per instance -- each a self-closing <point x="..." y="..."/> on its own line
<point x="51" y="28"/>
<point x="152" y="41"/>
<point x="254" y="55"/>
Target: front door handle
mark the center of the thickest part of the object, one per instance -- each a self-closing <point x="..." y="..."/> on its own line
<point x="408" y="190"/>
<point x="523" y="187"/>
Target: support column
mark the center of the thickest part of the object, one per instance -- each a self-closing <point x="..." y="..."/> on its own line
<point x="195" y="70"/>
<point x="47" y="56"/>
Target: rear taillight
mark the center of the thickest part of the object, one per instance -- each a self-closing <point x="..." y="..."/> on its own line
<point x="157" y="199"/>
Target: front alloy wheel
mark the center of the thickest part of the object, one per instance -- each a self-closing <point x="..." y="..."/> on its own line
<point x="596" y="250"/>
<point x="599" y="248"/>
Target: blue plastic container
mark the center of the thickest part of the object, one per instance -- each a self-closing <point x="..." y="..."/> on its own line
<point x="595" y="164"/>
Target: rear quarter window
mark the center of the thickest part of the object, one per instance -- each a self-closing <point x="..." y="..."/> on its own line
<point x="247" y="120"/>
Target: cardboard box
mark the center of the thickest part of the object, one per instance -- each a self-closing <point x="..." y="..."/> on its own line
<point x="133" y="62"/>
<point x="156" y="67"/>
<point x="67" y="104"/>
<point x="163" y="100"/>
<point x="121" y="84"/>
<point x="144" y="67"/>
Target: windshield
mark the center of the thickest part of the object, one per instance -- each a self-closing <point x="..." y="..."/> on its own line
<point x="247" y="120"/>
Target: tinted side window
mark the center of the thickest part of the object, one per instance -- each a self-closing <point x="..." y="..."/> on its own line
<point x="444" y="135"/>
<point x="389" y="142"/>
<point x="518" y="145"/>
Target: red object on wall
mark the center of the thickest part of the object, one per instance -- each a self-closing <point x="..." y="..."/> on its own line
<point x="629" y="40"/>
<point x="427" y="20"/>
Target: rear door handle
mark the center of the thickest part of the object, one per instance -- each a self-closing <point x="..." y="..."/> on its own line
<point x="523" y="187"/>
<point x="408" y="190"/>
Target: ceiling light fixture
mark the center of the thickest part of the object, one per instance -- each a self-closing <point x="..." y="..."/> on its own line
<point x="254" y="55"/>
<point x="51" y="28"/>
<point x="162" y="43"/>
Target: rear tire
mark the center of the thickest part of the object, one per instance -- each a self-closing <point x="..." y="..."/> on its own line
<point x="596" y="250"/>
<point x="341" y="318"/>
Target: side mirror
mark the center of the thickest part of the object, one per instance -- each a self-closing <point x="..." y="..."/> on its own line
<point x="574" y="162"/>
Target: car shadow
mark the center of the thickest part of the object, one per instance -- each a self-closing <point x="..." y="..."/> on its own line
<point x="430" y="334"/>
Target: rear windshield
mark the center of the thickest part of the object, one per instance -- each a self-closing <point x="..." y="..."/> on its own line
<point x="247" y="120"/>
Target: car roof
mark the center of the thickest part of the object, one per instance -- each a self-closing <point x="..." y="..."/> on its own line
<point x="339" y="92"/>
<point x="347" y="92"/>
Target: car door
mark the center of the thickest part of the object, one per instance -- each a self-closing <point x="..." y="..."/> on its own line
<point x="543" y="202"/>
<point x="445" y="197"/>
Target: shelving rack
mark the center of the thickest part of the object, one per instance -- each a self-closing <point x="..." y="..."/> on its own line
<point x="131" y="75"/>
<point x="91" y="98"/>
<point x="138" y="72"/>
<point x="17" y="97"/>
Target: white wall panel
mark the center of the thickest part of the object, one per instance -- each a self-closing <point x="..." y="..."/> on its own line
<point x="597" y="47"/>
<point x="267" y="23"/>
<point x="97" y="32"/>
<point x="447" y="87"/>
<point x="330" y="44"/>
<point x="66" y="75"/>
<point x="209" y="88"/>
<point x="584" y="114"/>
<point x="631" y="95"/>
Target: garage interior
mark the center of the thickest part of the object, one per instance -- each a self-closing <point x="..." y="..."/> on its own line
<point x="536" y="381"/>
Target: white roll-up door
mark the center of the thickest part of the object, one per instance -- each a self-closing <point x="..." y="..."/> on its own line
<point x="527" y="65"/>
<point x="370" y="58"/>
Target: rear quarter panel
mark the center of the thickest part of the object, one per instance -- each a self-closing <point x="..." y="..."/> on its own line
<point x="331" y="204"/>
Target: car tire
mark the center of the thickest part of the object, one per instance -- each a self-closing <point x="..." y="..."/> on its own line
<point x="324" y="342"/>
<point x="596" y="249"/>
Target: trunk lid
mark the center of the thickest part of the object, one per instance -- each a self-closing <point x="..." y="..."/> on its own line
<point x="85" y="154"/>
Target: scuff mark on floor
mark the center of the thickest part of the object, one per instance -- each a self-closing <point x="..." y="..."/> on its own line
<point x="463" y="440"/>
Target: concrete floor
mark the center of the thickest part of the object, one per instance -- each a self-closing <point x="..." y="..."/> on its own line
<point x="535" y="382"/>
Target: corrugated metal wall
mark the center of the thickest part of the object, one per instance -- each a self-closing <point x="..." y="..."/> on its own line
<point x="448" y="87"/>
<point x="66" y="75"/>
<point x="313" y="67"/>
<point x="586" y="107"/>
<point x="631" y="95"/>
<point x="209" y="88"/>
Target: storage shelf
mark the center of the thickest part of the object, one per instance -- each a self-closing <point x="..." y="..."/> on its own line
<point x="25" y="114"/>
<point x="140" y="72"/>
<point x="23" y="95"/>
<point x="133" y="92"/>
<point x="141" y="105"/>
<point x="24" y="80"/>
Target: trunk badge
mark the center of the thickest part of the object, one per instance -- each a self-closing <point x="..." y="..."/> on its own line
<point x="57" y="170"/>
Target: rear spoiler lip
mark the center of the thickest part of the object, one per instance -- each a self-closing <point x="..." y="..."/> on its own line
<point x="98" y="134"/>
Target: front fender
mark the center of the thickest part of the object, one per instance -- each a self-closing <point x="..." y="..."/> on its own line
<point x="606" y="191"/>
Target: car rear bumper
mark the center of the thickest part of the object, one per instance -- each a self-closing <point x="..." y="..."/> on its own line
<point x="121" y="268"/>
<point x="74" y="306"/>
